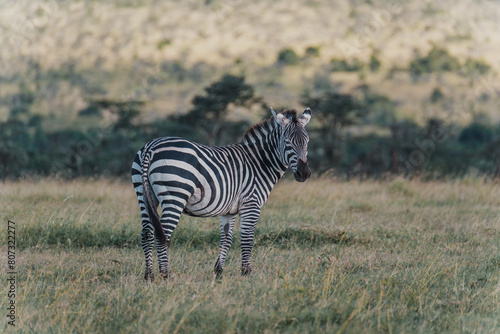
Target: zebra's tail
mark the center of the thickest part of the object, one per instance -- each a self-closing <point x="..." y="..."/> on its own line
<point x="155" y="220"/>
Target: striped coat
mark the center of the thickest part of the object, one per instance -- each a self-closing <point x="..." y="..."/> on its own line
<point x="186" y="177"/>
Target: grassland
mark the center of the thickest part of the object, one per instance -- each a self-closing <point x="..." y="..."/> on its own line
<point x="330" y="256"/>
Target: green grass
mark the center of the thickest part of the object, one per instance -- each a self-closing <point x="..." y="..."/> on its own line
<point x="330" y="256"/>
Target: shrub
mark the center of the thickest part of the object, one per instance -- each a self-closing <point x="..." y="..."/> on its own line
<point x="475" y="135"/>
<point x="341" y="65"/>
<point x="174" y="70"/>
<point x="374" y="63"/>
<point x="437" y="95"/>
<point x="475" y="66"/>
<point x="312" y="51"/>
<point x="382" y="110"/>
<point x="438" y="60"/>
<point x="164" y="42"/>
<point x="90" y="110"/>
<point x="288" y="57"/>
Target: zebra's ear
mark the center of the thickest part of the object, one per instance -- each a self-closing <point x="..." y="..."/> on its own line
<point x="306" y="117"/>
<point x="282" y="119"/>
<point x="273" y="112"/>
<point x="277" y="118"/>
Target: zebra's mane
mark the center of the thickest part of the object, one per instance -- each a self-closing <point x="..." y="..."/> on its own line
<point x="264" y="127"/>
<point x="267" y="126"/>
<point x="291" y="114"/>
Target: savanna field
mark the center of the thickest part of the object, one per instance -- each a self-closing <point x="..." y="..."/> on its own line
<point x="330" y="256"/>
<point x="404" y="96"/>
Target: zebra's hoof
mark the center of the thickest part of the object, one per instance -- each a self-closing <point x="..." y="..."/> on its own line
<point x="165" y="276"/>
<point x="149" y="276"/>
<point x="245" y="271"/>
<point x="218" y="273"/>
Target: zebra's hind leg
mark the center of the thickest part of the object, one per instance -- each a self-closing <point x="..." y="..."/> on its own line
<point x="147" y="238"/>
<point x="172" y="208"/>
<point x="161" y="250"/>
<point x="226" y="240"/>
<point x="147" y="235"/>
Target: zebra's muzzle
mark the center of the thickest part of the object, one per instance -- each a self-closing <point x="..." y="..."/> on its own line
<point x="303" y="172"/>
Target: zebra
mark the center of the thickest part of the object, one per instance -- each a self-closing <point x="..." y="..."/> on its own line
<point x="202" y="181"/>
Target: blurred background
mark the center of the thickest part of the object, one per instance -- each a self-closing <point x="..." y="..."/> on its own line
<point x="396" y="88"/>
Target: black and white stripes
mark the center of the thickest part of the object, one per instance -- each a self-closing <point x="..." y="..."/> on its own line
<point x="185" y="177"/>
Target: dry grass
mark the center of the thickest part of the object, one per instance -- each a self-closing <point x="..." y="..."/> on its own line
<point x="402" y="256"/>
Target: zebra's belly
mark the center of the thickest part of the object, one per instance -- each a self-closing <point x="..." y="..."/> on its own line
<point x="205" y="208"/>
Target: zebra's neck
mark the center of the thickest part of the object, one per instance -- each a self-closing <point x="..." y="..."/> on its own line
<point x="261" y="141"/>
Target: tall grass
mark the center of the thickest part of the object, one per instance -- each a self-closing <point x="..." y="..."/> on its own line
<point x="330" y="256"/>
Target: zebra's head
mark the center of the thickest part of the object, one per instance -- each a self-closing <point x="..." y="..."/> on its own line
<point x="293" y="141"/>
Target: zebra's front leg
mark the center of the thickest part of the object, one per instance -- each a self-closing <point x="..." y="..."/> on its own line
<point x="226" y="240"/>
<point x="248" y="221"/>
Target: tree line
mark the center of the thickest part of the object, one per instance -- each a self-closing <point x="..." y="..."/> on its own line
<point x="436" y="149"/>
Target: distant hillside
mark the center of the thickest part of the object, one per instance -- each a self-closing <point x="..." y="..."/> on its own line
<point x="107" y="33"/>
<point x="165" y="52"/>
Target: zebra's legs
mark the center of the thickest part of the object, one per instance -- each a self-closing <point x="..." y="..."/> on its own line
<point x="248" y="221"/>
<point x="147" y="235"/>
<point x="147" y="238"/>
<point x="172" y="208"/>
<point x="226" y="240"/>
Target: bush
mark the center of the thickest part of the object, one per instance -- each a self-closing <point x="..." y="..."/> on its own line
<point x="91" y="110"/>
<point x="382" y="110"/>
<point x="476" y="67"/>
<point x="312" y="51"/>
<point x="161" y="44"/>
<point x="341" y="65"/>
<point x="437" y="95"/>
<point x="366" y="155"/>
<point x="174" y="70"/>
<point x="438" y="60"/>
<point x="476" y="135"/>
<point x="288" y="57"/>
<point x="374" y="63"/>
